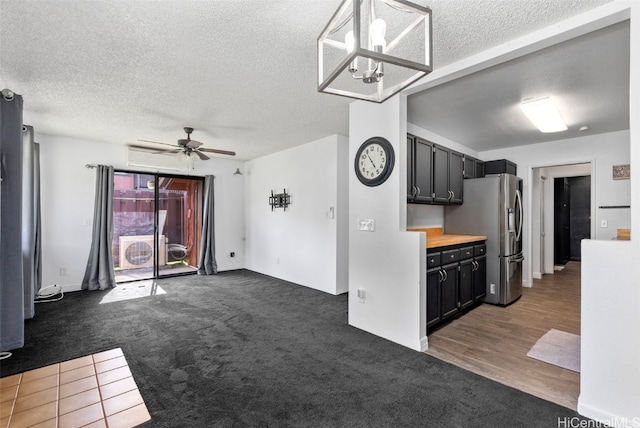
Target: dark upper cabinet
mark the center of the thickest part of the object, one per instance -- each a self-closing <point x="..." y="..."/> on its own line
<point x="441" y="174"/>
<point x="473" y="168"/>
<point x="434" y="173"/>
<point x="500" y="166"/>
<point x="419" y="170"/>
<point x="456" y="167"/>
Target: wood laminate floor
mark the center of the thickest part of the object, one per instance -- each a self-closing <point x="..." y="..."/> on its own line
<point x="493" y="341"/>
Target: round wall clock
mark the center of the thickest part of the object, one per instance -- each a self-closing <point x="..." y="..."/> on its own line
<point x="374" y="161"/>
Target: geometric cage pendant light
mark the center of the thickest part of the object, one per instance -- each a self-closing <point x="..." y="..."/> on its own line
<point x="372" y="49"/>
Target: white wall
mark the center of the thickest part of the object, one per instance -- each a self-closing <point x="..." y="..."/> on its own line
<point x="389" y="263"/>
<point x="67" y="195"/>
<point x="303" y="244"/>
<point x="602" y="150"/>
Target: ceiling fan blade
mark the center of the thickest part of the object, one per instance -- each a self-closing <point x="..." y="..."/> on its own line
<point x="153" y="150"/>
<point x="201" y="155"/>
<point x="193" y="144"/>
<point x="157" y="142"/>
<point x="220" y="152"/>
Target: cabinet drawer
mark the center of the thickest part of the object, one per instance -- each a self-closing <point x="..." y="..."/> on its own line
<point x="450" y="256"/>
<point x="466" y="253"/>
<point x="433" y="260"/>
<point x="480" y="250"/>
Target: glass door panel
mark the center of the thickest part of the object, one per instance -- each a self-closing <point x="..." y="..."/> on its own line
<point x="133" y="226"/>
<point x="179" y="220"/>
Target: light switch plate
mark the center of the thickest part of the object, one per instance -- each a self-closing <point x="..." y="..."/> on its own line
<point x="367" y="224"/>
<point x="604" y="223"/>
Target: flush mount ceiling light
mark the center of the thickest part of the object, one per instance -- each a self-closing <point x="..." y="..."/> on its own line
<point x="544" y="114"/>
<point x="372" y="49"/>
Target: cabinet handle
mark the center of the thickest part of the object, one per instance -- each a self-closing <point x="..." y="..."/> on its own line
<point x="419" y="191"/>
<point x="453" y="194"/>
<point x="446" y="275"/>
<point x="441" y="276"/>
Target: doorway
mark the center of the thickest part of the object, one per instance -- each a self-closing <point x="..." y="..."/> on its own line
<point x="572" y="217"/>
<point x="157" y="220"/>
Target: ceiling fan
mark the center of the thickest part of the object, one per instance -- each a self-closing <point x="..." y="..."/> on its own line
<point x="185" y="145"/>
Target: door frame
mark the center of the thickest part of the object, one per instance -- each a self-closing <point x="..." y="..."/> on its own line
<point x="547" y="265"/>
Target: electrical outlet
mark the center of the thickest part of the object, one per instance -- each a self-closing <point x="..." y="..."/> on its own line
<point x="492" y="289"/>
<point x="63" y="271"/>
<point x="361" y="295"/>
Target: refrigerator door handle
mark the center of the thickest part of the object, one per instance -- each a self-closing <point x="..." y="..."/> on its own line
<point x="519" y="202"/>
<point x="516" y="259"/>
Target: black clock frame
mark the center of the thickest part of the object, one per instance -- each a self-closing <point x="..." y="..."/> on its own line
<point x="388" y="168"/>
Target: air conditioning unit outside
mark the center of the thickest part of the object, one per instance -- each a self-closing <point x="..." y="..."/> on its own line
<point x="137" y="251"/>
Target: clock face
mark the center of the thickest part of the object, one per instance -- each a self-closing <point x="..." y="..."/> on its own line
<point x="374" y="161"/>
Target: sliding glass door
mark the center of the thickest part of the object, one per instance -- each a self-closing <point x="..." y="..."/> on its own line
<point x="157" y="223"/>
<point x="179" y="223"/>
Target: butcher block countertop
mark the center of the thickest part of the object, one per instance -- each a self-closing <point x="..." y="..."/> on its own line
<point x="437" y="239"/>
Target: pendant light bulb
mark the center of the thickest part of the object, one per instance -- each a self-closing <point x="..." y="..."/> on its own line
<point x="349" y="41"/>
<point x="377" y="33"/>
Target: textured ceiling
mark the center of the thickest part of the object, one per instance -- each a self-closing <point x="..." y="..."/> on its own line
<point x="242" y="72"/>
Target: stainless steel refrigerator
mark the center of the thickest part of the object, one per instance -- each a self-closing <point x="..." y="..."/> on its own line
<point x="493" y="207"/>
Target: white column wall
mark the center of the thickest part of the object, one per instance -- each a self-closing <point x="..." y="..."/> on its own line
<point x="610" y="343"/>
<point x="386" y="264"/>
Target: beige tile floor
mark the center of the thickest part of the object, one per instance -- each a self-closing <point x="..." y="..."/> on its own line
<point x="93" y="391"/>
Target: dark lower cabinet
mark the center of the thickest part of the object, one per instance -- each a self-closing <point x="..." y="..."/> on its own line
<point x="466" y="283"/>
<point x="456" y="281"/>
<point x="480" y="278"/>
<point x="434" y="316"/>
<point x="449" y="290"/>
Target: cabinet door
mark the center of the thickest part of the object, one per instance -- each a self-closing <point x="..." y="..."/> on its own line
<point x="479" y="169"/>
<point x="480" y="278"/>
<point x="456" y="164"/>
<point x="433" y="296"/>
<point x="411" y="165"/>
<point x="449" y="290"/>
<point x="423" y="154"/>
<point x="469" y="167"/>
<point x="440" y="175"/>
<point x="465" y="291"/>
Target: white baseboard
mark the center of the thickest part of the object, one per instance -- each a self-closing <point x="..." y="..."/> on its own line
<point x="537" y="275"/>
<point x="606" y="417"/>
<point x="424" y="344"/>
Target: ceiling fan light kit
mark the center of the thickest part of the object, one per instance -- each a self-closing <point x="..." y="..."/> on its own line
<point x="372" y="49"/>
<point x="544" y="114"/>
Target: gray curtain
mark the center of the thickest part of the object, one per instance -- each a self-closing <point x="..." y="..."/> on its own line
<point x="207" y="264"/>
<point x="12" y="298"/>
<point x="100" y="274"/>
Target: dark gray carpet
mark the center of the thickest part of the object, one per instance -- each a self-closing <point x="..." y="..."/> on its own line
<point x="244" y="349"/>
